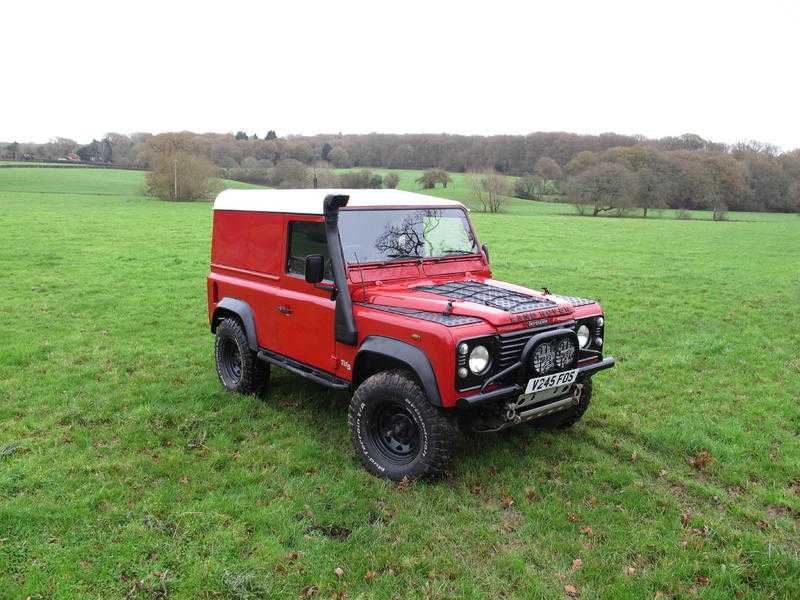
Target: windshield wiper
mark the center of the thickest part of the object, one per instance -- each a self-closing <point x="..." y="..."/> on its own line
<point x="400" y="257"/>
<point x="454" y="251"/>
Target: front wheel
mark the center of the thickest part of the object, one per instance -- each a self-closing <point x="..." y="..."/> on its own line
<point x="395" y="430"/>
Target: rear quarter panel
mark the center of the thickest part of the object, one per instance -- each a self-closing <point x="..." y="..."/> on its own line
<point x="247" y="252"/>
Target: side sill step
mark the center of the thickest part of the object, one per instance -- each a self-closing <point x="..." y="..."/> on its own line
<point x="304" y="370"/>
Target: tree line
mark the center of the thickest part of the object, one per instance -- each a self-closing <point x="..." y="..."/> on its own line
<point x="601" y="174"/>
<point x="748" y="177"/>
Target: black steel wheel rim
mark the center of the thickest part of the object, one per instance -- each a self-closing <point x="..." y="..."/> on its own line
<point x="395" y="433"/>
<point x="230" y="360"/>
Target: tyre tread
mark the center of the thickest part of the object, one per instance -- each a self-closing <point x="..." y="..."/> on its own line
<point x="442" y="427"/>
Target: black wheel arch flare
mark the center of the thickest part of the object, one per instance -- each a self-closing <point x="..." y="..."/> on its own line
<point x="397" y="351"/>
<point x="241" y="309"/>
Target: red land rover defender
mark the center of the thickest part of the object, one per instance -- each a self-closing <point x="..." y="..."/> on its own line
<point x="387" y="294"/>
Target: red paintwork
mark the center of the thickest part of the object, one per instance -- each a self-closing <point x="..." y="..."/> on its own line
<point x="248" y="259"/>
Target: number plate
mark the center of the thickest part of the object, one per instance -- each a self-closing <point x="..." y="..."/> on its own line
<point x="548" y="382"/>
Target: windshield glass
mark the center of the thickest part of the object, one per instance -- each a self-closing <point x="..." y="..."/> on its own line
<point x="396" y="234"/>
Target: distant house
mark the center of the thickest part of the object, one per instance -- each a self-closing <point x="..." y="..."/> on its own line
<point x="72" y="157"/>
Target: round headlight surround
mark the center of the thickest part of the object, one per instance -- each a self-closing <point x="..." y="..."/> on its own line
<point x="479" y="360"/>
<point x="584" y="336"/>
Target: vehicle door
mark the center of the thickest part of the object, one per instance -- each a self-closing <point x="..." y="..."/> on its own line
<point x="305" y="312"/>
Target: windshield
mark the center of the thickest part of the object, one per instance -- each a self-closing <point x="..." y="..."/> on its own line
<point x="396" y="234"/>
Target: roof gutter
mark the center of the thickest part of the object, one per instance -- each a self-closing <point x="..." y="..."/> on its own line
<point x="344" y="324"/>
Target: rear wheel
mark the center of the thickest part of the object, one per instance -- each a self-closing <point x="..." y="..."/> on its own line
<point x="238" y="367"/>
<point x="567" y="418"/>
<point x="395" y="430"/>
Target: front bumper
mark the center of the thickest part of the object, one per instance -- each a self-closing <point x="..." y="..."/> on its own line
<point x="513" y="391"/>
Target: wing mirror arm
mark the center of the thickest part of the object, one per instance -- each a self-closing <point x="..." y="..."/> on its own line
<point x="327" y="287"/>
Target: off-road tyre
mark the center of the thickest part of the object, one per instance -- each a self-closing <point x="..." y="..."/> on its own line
<point x="567" y="418"/>
<point x="239" y="369"/>
<point x="381" y="415"/>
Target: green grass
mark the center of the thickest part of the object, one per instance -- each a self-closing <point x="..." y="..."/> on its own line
<point x="85" y="181"/>
<point x="125" y="471"/>
<point x="17" y="163"/>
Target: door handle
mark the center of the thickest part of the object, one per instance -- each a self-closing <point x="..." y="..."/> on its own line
<point x="285" y="310"/>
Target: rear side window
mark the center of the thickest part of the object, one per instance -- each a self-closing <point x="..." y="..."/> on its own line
<point x="306" y="237"/>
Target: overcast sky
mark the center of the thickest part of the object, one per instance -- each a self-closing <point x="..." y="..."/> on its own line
<point x="725" y="70"/>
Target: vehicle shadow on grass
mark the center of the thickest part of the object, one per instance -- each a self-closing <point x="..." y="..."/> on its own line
<point x="309" y="402"/>
<point x="512" y="450"/>
<point x="317" y="409"/>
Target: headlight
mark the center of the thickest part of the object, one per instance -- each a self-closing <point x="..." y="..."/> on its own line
<point x="479" y="360"/>
<point x="584" y="335"/>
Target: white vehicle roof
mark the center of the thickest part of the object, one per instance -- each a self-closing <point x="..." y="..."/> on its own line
<point x="309" y="201"/>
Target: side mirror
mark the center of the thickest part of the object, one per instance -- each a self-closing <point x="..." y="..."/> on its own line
<point x="315" y="268"/>
<point x="485" y="249"/>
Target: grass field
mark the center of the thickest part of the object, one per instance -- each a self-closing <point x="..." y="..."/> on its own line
<point x="81" y="181"/>
<point x="26" y="164"/>
<point x="126" y="472"/>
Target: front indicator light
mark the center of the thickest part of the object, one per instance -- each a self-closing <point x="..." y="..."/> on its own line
<point x="462" y="372"/>
<point x="598" y="341"/>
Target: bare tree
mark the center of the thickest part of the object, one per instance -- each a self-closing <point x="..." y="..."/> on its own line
<point x="489" y="190"/>
<point x="727" y="184"/>
<point x="548" y="169"/>
<point x="527" y="186"/>
<point x="182" y="177"/>
<point x="59" y="147"/>
<point x="768" y="182"/>
<point x="431" y="177"/>
<point x="339" y="157"/>
<point x="602" y="188"/>
<point x="118" y="149"/>
<point x="653" y="190"/>
<point x="580" y="162"/>
<point x="361" y="180"/>
<point x="391" y="180"/>
<point x="291" y="173"/>
<point x="180" y="168"/>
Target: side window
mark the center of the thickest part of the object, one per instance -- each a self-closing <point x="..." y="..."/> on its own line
<point x="306" y="237"/>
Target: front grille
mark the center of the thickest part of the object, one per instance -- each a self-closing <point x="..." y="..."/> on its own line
<point x="511" y="345"/>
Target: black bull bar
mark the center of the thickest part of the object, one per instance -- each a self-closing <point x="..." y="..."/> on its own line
<point x="514" y="390"/>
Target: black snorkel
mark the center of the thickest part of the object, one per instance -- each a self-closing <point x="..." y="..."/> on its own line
<point x="344" y="328"/>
